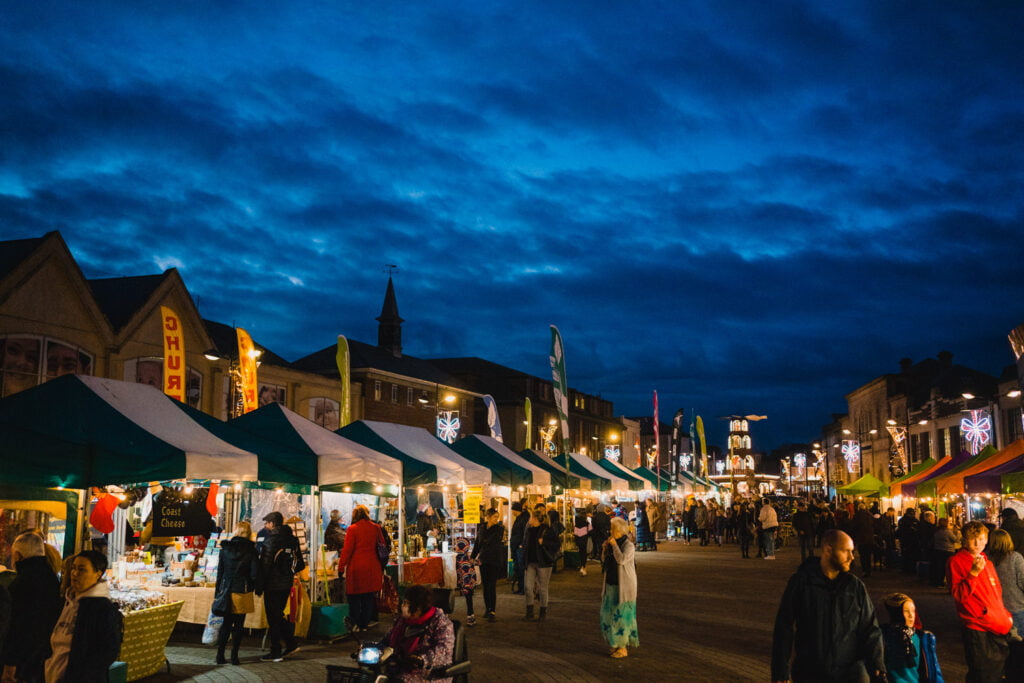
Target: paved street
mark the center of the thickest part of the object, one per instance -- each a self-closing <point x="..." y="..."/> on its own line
<point x="705" y="614"/>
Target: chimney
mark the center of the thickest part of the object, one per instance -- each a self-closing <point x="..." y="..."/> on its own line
<point x="945" y="359"/>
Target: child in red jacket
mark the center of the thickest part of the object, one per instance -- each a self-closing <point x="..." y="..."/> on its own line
<point x="979" y="602"/>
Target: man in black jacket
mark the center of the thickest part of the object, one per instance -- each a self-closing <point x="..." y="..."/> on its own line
<point x="827" y="614"/>
<point x="515" y="540"/>
<point x="600" y="529"/>
<point x="35" y="606"/>
<point x="280" y="559"/>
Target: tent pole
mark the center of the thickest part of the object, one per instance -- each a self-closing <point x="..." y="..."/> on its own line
<point x="400" y="554"/>
<point x="315" y="542"/>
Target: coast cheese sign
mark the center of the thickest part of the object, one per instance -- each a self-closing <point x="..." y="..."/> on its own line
<point x="179" y="514"/>
<point x="174" y="354"/>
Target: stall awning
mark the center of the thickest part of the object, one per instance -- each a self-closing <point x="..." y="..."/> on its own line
<point x="507" y="467"/>
<point x="989" y="480"/>
<point x="560" y="478"/>
<point x="78" y="431"/>
<point x="928" y="488"/>
<point x="868" y="485"/>
<point x="635" y="481"/>
<point x="601" y="479"/>
<point x="660" y="482"/>
<point x="330" y="460"/>
<point x="915" y="473"/>
<point x="415" y="443"/>
<point x="908" y="489"/>
<point x="953" y="483"/>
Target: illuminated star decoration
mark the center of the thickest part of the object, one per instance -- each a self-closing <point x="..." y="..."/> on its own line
<point x="685" y="461"/>
<point x="977" y="430"/>
<point x="448" y="426"/>
<point x="800" y="461"/>
<point x="719" y="465"/>
<point x="851" y="453"/>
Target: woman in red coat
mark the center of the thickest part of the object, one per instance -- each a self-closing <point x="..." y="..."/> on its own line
<point x="364" y="576"/>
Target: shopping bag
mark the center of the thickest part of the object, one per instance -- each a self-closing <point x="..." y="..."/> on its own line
<point x="387" y="598"/>
<point x="243" y="603"/>
<point x="212" y="631"/>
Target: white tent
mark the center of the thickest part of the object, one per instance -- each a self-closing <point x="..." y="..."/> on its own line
<point x="618" y="483"/>
<point x="206" y="456"/>
<point x="342" y="460"/>
<point x="541" y="477"/>
<point x="629" y="474"/>
<point x="421" y="445"/>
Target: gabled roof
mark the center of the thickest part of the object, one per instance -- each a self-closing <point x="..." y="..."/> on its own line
<point x="365" y="356"/>
<point x="13" y="252"/>
<point x="120" y="297"/>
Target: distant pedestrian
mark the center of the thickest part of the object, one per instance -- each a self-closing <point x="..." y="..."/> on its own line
<point x="909" y="539"/>
<point x="490" y="553"/>
<point x="600" y="524"/>
<point x="334" y="535"/>
<point x="975" y="586"/>
<point x="581" y="532"/>
<point x="35" y="606"/>
<point x="238" y="573"/>
<point x="1012" y="523"/>
<point x="864" y="537"/>
<point x="1010" y="568"/>
<point x="945" y="542"/>
<point x="280" y="559"/>
<point x="769" y="520"/>
<point x="465" y="575"/>
<point x="364" y="576"/>
<point x="746" y="527"/>
<point x="541" y="546"/>
<point x="828" y="616"/>
<point x="515" y="540"/>
<point x="618" y="596"/>
<point x="644" y="531"/>
<point x="803" y="525"/>
<point x="910" y="655"/>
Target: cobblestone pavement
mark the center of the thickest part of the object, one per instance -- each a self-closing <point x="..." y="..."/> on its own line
<point x="704" y="614"/>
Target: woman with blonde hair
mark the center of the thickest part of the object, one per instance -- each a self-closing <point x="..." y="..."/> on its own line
<point x="364" y="575"/>
<point x="618" y="596"/>
<point x="1010" y="569"/>
<point x="238" y="574"/>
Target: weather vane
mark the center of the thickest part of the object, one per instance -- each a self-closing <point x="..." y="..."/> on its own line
<point x="390" y="268"/>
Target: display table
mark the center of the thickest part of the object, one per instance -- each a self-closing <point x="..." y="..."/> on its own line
<point x="196" y="603"/>
<point x="146" y="632"/>
<point x="436" y="570"/>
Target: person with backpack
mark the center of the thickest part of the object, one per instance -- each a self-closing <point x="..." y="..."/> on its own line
<point x="364" y="573"/>
<point x="280" y="560"/>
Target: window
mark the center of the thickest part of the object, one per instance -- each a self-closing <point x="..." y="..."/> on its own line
<point x="325" y="412"/>
<point x="394" y="393"/>
<point x="408" y="396"/>
<point x="271" y="393"/>
<point x="23" y="364"/>
<point x="150" y="370"/>
<point x="376" y="390"/>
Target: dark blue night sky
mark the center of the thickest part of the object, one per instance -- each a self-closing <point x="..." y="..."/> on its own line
<point x="750" y="207"/>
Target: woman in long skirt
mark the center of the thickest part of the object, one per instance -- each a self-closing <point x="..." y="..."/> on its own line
<point x="618" y="598"/>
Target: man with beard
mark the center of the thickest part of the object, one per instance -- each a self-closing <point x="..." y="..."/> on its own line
<point x="827" y="614"/>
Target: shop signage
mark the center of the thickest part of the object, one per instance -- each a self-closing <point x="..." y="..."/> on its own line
<point x="174" y="355"/>
<point x="179" y="514"/>
<point x="471" y="504"/>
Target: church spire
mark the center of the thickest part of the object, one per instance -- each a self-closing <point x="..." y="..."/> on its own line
<point x="389" y="331"/>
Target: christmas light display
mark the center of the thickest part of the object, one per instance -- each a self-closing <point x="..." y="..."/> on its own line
<point x="851" y="453"/>
<point x="448" y="425"/>
<point x="977" y="430"/>
<point x="612" y="452"/>
<point x="685" y="460"/>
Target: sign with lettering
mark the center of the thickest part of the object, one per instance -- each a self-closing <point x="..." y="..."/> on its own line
<point x="174" y="354"/>
<point x="176" y="513"/>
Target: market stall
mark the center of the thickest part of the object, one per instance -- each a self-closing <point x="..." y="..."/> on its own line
<point x="561" y="479"/>
<point x="657" y="481"/>
<point x="634" y="481"/>
<point x="868" y="486"/>
<point x="600" y="480"/>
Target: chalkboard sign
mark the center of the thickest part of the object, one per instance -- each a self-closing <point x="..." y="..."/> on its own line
<point x="176" y="513"/>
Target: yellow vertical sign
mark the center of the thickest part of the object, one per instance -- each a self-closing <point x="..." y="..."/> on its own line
<point x="174" y="354"/>
<point x="247" y="370"/>
<point x="472" y="498"/>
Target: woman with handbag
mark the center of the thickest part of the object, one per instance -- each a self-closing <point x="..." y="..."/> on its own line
<point x="491" y="554"/>
<point x="237" y="576"/>
<point x="361" y="565"/>
<point x="541" y="547"/>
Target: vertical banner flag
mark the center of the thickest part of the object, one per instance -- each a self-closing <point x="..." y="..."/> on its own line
<point x="703" y="448"/>
<point x="657" y="434"/>
<point x="345" y="373"/>
<point x="557" y="360"/>
<point x="1017" y="344"/>
<point x="174" y="354"/>
<point x="528" y="409"/>
<point x="246" y="370"/>
<point x="693" y="440"/>
<point x="492" y="417"/>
